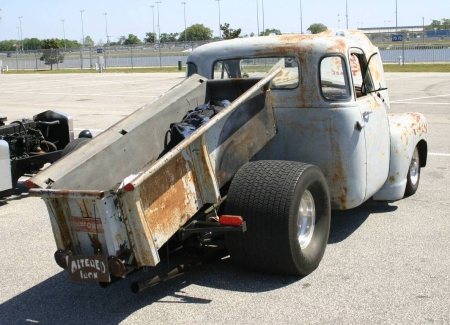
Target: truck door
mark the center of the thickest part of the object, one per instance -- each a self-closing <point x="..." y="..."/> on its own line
<point x="374" y="124"/>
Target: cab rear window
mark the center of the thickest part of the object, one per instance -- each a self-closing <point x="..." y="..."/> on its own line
<point x="289" y="78"/>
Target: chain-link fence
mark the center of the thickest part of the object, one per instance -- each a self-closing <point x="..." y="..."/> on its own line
<point x="150" y="55"/>
<point x="170" y="54"/>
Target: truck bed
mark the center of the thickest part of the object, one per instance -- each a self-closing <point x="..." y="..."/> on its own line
<point x="119" y="194"/>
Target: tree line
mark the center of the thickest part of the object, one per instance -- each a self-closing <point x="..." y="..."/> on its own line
<point x="196" y="32"/>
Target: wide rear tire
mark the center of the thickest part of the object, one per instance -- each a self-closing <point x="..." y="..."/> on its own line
<point x="287" y="209"/>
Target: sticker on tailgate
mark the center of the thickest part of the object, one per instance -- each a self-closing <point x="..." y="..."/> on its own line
<point x="89" y="225"/>
<point x="88" y="268"/>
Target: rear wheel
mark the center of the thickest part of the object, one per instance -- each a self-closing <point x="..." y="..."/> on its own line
<point x="287" y="209"/>
<point x="413" y="177"/>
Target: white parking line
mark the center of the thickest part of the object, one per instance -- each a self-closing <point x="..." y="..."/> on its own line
<point x="439" y="154"/>
<point x="410" y="99"/>
<point x="419" y="103"/>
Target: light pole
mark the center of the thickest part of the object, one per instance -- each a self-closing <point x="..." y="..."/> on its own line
<point x="20" y="24"/>
<point x="301" y="18"/>
<point x="346" y="13"/>
<point x="423" y="30"/>
<point x="396" y="25"/>
<point x="257" y="15"/>
<point x="185" y="36"/>
<point x="64" y="33"/>
<point x="218" y="3"/>
<point x="262" y="7"/>
<point x="154" y="34"/>
<point x="159" y="28"/>
<point x="106" y="23"/>
<point x="82" y="30"/>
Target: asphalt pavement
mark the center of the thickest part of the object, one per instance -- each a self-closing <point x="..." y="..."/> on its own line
<point x="386" y="263"/>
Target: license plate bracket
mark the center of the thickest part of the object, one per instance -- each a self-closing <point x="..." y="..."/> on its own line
<point x="88" y="268"/>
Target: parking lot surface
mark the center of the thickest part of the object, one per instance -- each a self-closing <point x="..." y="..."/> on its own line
<point x="386" y="263"/>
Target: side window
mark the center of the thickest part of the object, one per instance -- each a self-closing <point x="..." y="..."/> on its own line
<point x="333" y="78"/>
<point x="257" y="68"/>
<point x="221" y="71"/>
<point x="362" y="79"/>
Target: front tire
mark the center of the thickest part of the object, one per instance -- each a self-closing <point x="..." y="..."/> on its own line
<point x="413" y="177"/>
<point x="287" y="209"/>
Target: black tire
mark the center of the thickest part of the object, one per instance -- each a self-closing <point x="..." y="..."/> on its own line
<point x="74" y="145"/>
<point x="268" y="196"/>
<point x="413" y="177"/>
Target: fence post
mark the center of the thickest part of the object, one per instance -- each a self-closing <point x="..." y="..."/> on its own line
<point x="131" y="48"/>
<point x="35" y="56"/>
<point x="17" y="60"/>
<point x="403" y="48"/>
<point x="90" y="58"/>
<point x="81" y="57"/>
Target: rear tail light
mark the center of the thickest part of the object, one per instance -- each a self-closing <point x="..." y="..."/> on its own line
<point x="231" y="220"/>
<point x="129" y="187"/>
<point x="30" y="184"/>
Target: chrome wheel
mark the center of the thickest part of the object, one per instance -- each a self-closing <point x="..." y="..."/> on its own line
<point x="306" y="219"/>
<point x="414" y="167"/>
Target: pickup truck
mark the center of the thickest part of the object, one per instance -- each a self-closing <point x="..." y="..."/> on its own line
<point x="307" y="130"/>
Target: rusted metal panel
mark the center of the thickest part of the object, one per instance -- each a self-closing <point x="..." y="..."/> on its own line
<point x="407" y="130"/>
<point x="72" y="194"/>
<point x="244" y="133"/>
<point x="169" y="198"/>
<point x="139" y="233"/>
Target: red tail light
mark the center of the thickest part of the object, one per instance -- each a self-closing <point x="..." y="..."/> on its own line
<point x="30" y="184"/>
<point x="231" y="221"/>
<point x="129" y="187"/>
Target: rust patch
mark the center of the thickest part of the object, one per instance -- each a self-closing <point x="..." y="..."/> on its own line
<point x="63" y="228"/>
<point x="169" y="199"/>
<point x="392" y="179"/>
<point x="343" y="198"/>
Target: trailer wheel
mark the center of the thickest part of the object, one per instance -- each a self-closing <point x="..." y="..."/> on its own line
<point x="74" y="145"/>
<point x="413" y="178"/>
<point x="287" y="209"/>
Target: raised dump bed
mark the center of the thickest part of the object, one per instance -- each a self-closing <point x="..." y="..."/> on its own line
<point x="121" y="196"/>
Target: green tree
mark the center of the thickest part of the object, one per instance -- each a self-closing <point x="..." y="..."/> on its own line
<point x="197" y="32"/>
<point x="7" y="45"/>
<point x="121" y="40"/>
<point x="267" y="32"/>
<point x="229" y="33"/>
<point x="88" y="41"/>
<point x="50" y="52"/>
<point x="32" y="43"/>
<point x="150" y="38"/>
<point x="165" y="38"/>
<point x="317" y="28"/>
<point x="131" y="40"/>
<point x="72" y="44"/>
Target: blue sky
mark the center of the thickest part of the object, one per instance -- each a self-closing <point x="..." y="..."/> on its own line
<point x="42" y="19"/>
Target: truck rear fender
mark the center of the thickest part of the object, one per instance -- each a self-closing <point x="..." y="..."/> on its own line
<point x="407" y="130"/>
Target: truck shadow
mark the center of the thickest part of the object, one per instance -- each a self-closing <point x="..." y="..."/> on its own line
<point x="345" y="223"/>
<point x="20" y="192"/>
<point x="57" y="301"/>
